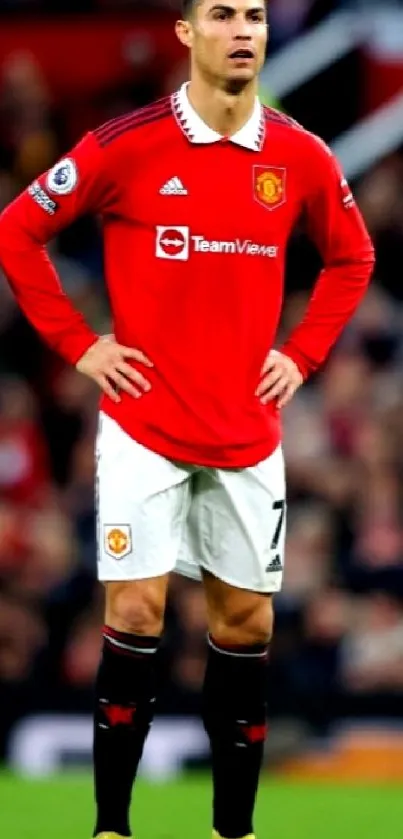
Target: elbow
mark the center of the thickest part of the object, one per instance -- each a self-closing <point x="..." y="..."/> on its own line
<point x="369" y="255"/>
<point x="6" y="239"/>
<point x="19" y="229"/>
<point x="364" y="261"/>
<point x="12" y="243"/>
<point x="14" y="234"/>
<point x="370" y="262"/>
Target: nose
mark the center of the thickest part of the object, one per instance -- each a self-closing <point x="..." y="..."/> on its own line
<point x="242" y="30"/>
<point x="243" y="36"/>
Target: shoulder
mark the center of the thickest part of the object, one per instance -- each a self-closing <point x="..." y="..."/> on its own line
<point x="275" y="117"/>
<point x="125" y="126"/>
<point x="296" y="133"/>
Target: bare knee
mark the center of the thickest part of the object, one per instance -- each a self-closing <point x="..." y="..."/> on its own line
<point x="137" y="607"/>
<point x="247" y="625"/>
<point x="236" y="616"/>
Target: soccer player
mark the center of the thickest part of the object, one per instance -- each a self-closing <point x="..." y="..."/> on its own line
<point x="198" y="194"/>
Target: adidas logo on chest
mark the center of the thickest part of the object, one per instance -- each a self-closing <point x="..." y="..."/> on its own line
<point x="173" y="187"/>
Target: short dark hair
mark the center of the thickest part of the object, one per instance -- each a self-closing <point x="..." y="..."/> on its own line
<point x="188" y="7"/>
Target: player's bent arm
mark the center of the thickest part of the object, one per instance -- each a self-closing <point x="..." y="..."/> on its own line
<point x="338" y="230"/>
<point x="77" y="184"/>
<point x="37" y="289"/>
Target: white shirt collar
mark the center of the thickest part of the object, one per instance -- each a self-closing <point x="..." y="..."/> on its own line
<point x="250" y="136"/>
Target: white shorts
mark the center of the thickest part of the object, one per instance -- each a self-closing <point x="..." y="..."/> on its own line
<point x="155" y="516"/>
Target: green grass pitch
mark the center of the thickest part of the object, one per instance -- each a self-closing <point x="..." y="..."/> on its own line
<point x="62" y="809"/>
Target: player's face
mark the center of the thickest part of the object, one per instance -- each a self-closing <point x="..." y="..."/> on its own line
<point x="228" y="40"/>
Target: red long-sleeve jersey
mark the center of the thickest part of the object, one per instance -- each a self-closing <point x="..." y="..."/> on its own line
<point x="195" y="232"/>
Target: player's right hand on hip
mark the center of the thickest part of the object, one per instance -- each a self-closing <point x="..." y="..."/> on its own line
<point x="107" y="363"/>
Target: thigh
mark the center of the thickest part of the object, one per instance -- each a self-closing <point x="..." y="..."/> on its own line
<point x="241" y="524"/>
<point x="142" y="502"/>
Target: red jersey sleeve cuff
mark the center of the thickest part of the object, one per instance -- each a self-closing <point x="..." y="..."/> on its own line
<point x="305" y="366"/>
<point x="73" y="346"/>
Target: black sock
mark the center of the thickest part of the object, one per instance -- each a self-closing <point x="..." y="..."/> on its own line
<point x="235" y="720"/>
<point x="125" y="695"/>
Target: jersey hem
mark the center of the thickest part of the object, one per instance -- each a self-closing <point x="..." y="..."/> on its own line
<point x="195" y="455"/>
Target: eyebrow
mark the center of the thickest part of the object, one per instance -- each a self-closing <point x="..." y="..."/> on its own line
<point x="221" y="7"/>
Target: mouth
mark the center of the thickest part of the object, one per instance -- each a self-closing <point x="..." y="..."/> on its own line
<point x="242" y="55"/>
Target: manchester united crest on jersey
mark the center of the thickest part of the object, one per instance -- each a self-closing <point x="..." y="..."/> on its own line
<point x="269" y="186"/>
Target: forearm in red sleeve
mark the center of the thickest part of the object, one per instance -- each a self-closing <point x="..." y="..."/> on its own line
<point x="337" y="228"/>
<point x="338" y="292"/>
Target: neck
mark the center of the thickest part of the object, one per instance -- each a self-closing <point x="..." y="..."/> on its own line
<point x="224" y="112"/>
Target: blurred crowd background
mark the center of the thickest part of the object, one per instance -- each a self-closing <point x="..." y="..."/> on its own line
<point x="337" y="653"/>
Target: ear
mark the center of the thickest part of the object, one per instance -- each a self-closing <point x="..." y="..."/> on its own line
<point x="184" y="32"/>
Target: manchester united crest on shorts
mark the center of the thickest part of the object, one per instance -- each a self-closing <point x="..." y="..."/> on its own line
<point x="117" y="540"/>
<point x="269" y="186"/>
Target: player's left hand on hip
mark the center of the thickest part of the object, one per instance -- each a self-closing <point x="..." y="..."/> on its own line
<point x="280" y="379"/>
